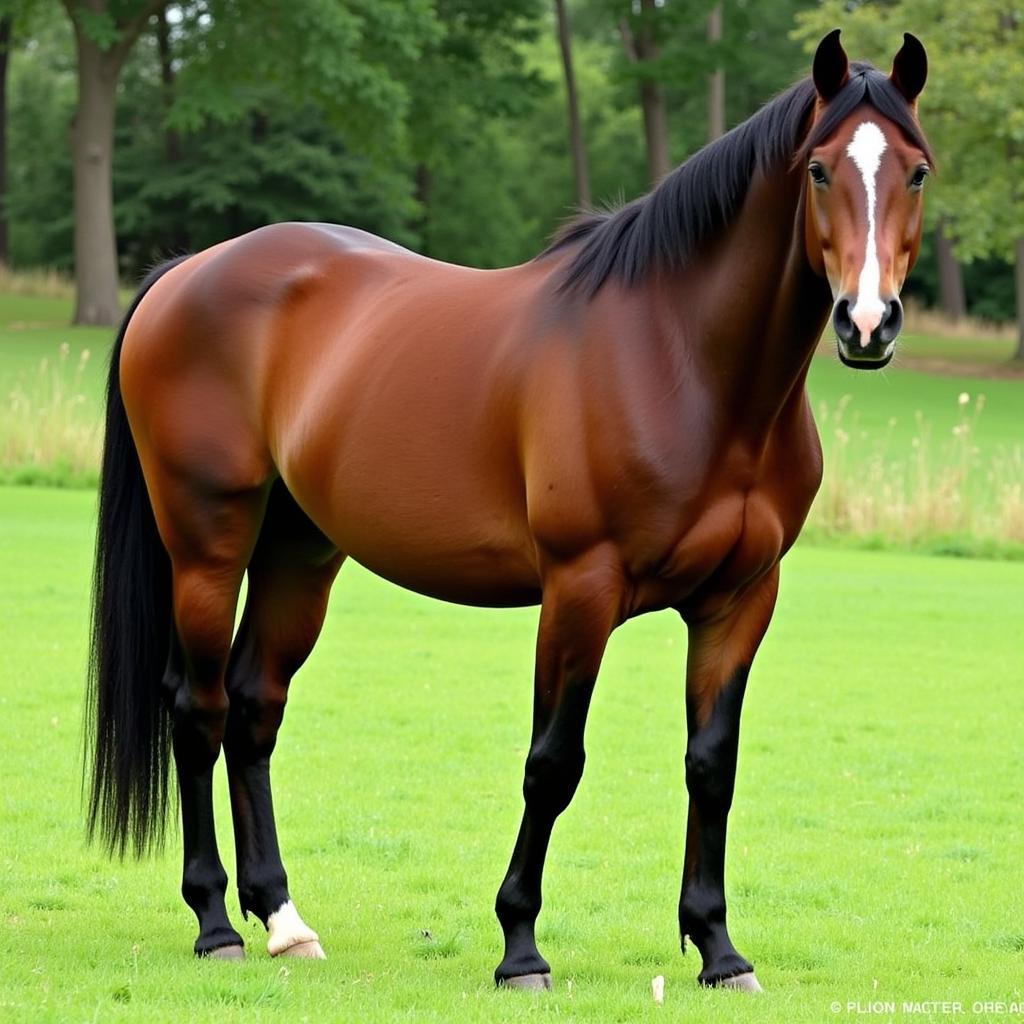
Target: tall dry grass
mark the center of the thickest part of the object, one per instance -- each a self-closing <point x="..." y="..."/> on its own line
<point x="938" y="487"/>
<point x="49" y="430"/>
<point x="41" y="282"/>
<point x="922" y="319"/>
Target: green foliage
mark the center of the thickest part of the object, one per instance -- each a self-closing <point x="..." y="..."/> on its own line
<point x="442" y="123"/>
<point x="276" y="162"/>
<point x="686" y="58"/>
<point x="41" y="100"/>
<point x="100" y="26"/>
<point x="339" y="57"/>
<point x="988" y="283"/>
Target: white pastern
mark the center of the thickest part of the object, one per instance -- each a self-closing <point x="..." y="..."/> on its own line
<point x="866" y="149"/>
<point x="287" y="929"/>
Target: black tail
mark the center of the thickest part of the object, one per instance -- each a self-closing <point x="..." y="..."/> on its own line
<point x="127" y="726"/>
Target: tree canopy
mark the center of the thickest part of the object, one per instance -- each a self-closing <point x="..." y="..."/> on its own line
<point x="442" y="123"/>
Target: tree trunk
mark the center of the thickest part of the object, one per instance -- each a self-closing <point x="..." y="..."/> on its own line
<point x="952" y="299"/>
<point x="92" y="150"/>
<point x="5" y="44"/>
<point x="424" y="186"/>
<point x="92" y="145"/>
<point x="576" y="144"/>
<point x="172" y="141"/>
<point x="652" y="101"/>
<point x="716" y="80"/>
<point x="655" y="130"/>
<point x="1019" y="279"/>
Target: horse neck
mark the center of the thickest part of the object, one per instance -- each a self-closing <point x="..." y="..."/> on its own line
<point x="750" y="310"/>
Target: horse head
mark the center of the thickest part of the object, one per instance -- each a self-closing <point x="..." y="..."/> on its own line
<point x="867" y="160"/>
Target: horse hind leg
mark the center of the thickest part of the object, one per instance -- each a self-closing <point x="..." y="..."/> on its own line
<point x="290" y="577"/>
<point x="209" y="536"/>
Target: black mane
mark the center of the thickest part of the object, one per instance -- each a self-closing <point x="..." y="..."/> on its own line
<point x="665" y="227"/>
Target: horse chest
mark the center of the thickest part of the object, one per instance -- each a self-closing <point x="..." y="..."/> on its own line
<point x="735" y="533"/>
<point x="736" y="540"/>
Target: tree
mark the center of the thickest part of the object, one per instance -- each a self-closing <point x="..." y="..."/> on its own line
<point x="105" y="32"/>
<point x="952" y="300"/>
<point x="576" y="143"/>
<point x="471" y="76"/>
<point x="716" y="80"/>
<point x="681" y="54"/>
<point x="970" y="109"/>
<point x="6" y="27"/>
<point x="641" y="43"/>
<point x="14" y="17"/>
<point x="295" y="47"/>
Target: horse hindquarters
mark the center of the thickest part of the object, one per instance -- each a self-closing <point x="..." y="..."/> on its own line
<point x="165" y="485"/>
<point x="233" y="693"/>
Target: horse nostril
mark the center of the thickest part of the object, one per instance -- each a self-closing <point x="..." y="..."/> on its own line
<point x="844" y="326"/>
<point x="892" y="321"/>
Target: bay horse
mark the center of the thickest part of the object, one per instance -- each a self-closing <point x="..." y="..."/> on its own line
<point x="618" y="426"/>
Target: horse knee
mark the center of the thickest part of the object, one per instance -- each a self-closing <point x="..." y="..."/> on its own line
<point x="551" y="779"/>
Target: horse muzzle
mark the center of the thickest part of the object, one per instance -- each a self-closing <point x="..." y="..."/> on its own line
<point x="876" y="350"/>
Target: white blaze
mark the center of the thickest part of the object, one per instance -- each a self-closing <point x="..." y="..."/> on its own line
<point x="866" y="149"/>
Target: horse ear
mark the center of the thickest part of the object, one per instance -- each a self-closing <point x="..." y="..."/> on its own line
<point x="831" y="66"/>
<point x="910" y="67"/>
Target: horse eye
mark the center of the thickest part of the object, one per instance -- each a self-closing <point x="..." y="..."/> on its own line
<point x="817" y="173"/>
<point x="917" y="181"/>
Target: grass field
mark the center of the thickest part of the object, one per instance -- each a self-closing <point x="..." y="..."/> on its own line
<point x="877" y="840"/>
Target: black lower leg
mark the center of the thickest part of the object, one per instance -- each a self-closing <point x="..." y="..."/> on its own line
<point x="198" y="726"/>
<point x="553" y="771"/>
<point x="710" y="778"/>
<point x="204" y="880"/>
<point x="262" y="881"/>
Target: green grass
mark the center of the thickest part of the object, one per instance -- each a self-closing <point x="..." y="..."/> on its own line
<point x="886" y="403"/>
<point x="920" y="460"/>
<point x="876" y="842"/>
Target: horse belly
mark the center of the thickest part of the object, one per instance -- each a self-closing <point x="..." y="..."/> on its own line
<point x="455" y="544"/>
<point x="424" y="493"/>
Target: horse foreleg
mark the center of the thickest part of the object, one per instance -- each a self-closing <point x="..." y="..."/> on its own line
<point x="581" y="605"/>
<point x="719" y="657"/>
<point x="289" y="583"/>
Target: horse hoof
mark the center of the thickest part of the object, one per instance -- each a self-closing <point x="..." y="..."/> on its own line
<point x="742" y="982"/>
<point x="311" y="950"/>
<point x="529" y="982"/>
<point x="227" y="953"/>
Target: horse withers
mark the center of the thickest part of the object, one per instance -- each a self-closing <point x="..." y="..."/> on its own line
<point x="618" y="426"/>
